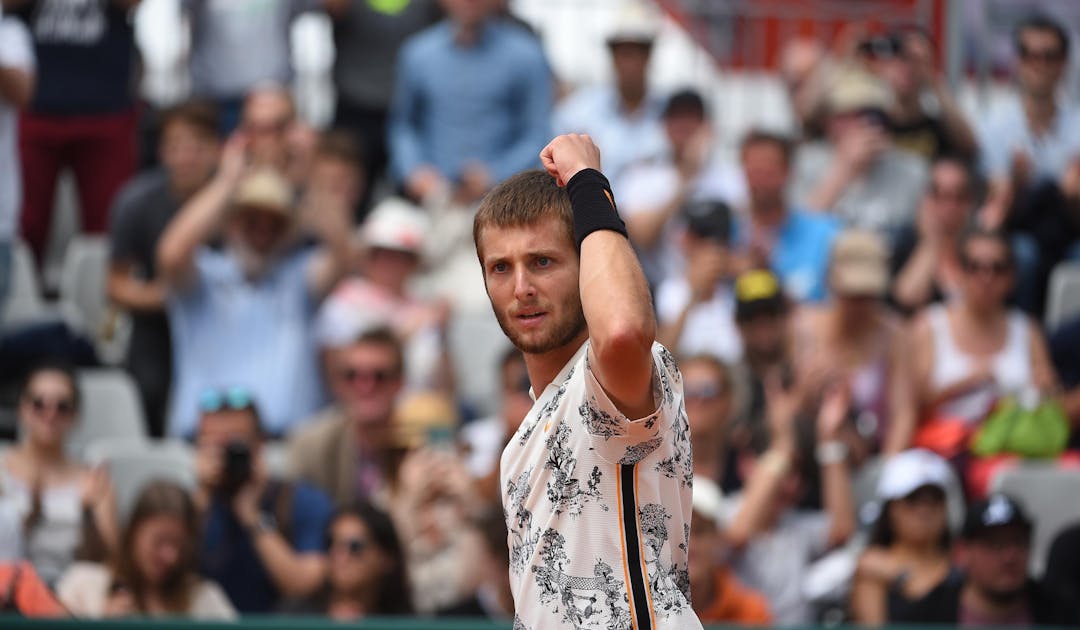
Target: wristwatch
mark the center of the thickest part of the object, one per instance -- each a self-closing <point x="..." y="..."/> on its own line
<point x="265" y="524"/>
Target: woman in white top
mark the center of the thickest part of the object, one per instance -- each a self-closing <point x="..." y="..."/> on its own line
<point x="154" y="571"/>
<point x="62" y="504"/>
<point x="976" y="349"/>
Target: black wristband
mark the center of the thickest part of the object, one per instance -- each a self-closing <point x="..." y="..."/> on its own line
<point x="593" y="204"/>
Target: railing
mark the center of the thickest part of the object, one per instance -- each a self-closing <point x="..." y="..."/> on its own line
<point x="310" y="623"/>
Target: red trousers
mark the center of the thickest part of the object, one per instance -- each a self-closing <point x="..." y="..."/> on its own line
<point x="99" y="149"/>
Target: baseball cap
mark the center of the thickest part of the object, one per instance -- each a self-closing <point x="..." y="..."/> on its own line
<point x="265" y="189"/>
<point x="709" y="219"/>
<point x="757" y="292"/>
<point x="396" y="224"/>
<point x="859" y="264"/>
<point x="910" y="470"/>
<point x="996" y="510"/>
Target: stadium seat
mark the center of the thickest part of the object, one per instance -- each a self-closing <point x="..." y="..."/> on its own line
<point x="83" y="298"/>
<point x="1050" y="495"/>
<point x="24" y="301"/>
<point x="1063" y="295"/>
<point x="110" y="409"/>
<point x="133" y="462"/>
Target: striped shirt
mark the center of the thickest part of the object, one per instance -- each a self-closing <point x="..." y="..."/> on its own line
<point x="598" y="507"/>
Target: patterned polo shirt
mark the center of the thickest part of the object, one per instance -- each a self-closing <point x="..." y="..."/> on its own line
<point x="598" y="507"/>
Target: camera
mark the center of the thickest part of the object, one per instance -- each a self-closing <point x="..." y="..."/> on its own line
<point x="236" y="469"/>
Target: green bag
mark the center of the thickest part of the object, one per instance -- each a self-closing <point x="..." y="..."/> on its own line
<point x="1041" y="432"/>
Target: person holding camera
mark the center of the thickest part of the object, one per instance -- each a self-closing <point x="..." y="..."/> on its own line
<point x="263" y="538"/>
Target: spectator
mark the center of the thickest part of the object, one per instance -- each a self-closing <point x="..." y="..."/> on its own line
<point x="624" y="118"/>
<point x="717" y="594"/>
<point x="805" y="68"/>
<point x="795" y="244"/>
<point x="366" y="573"/>
<point x="1062" y="566"/>
<point x="154" y="571"/>
<point x="856" y="339"/>
<point x="695" y="308"/>
<point x="1035" y="139"/>
<point x="708" y="392"/>
<point x="856" y="173"/>
<point x="763" y="317"/>
<point x="63" y="504"/>
<point x="367" y="38"/>
<point x="483" y="439"/>
<point x="16" y="89"/>
<point x="994" y="550"/>
<point x="493" y="598"/>
<point x="969" y="352"/>
<point x="926" y="261"/>
<point x="239" y="45"/>
<point x="381" y="295"/>
<point x="471" y="105"/>
<point x="904" y="59"/>
<point x="349" y="450"/>
<point x="263" y="538"/>
<point x="83" y="108"/>
<point x="189" y="152"/>
<point x="225" y="305"/>
<point x="275" y="137"/>
<point x="25" y="595"/>
<point x="336" y="169"/>
<point x="657" y="189"/>
<point x="908" y="561"/>
<point x="774" y="542"/>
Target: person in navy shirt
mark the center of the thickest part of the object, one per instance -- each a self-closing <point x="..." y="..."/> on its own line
<point x="263" y="538"/>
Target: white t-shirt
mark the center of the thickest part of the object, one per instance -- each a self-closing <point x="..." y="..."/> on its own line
<point x="598" y="507"/>
<point x="84" y="590"/>
<point x="710" y="326"/>
<point x="16" y="51"/>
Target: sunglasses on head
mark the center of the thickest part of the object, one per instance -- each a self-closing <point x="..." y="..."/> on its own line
<point x="233" y="399"/>
<point x="996" y="267"/>
<point x="62" y="406"/>
<point x="354" y="546"/>
<point x="353" y="375"/>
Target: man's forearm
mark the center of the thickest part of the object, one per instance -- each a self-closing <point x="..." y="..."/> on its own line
<point x="296" y="575"/>
<point x="197" y="221"/>
<point x="134" y="294"/>
<point x="16" y="86"/>
<point x="836" y="495"/>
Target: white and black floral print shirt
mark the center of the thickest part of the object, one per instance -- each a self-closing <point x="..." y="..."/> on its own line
<point x="598" y="507"/>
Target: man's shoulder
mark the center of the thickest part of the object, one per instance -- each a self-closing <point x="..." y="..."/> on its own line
<point x="427" y="42"/>
<point x="144" y="192"/>
<point x="325" y="427"/>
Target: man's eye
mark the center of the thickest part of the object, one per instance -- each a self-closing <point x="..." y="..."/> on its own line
<point x="543" y="261"/>
<point x="499" y="267"/>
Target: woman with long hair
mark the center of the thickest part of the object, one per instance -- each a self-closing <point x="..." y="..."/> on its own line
<point x="366" y="573"/>
<point x="64" y="505"/>
<point x="154" y="572"/>
<point x="907" y="560"/>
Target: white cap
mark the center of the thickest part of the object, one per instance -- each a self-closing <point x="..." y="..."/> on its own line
<point x="910" y="470"/>
<point x="635" y="23"/>
<point x="396" y="224"/>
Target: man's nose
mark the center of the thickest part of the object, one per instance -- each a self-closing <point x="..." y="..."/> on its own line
<point x="523" y="285"/>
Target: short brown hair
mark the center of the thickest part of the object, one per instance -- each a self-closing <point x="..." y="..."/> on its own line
<point x="760" y="136"/>
<point x="202" y="116"/>
<point x="385" y="337"/>
<point x="524" y="199"/>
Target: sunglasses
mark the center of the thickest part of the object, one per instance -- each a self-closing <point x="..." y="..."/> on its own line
<point x="996" y="268"/>
<point x="354" y="546"/>
<point x="1047" y="56"/>
<point x="233" y="399"/>
<point x="61" y="406"/>
<point x="704" y="391"/>
<point x="354" y="375"/>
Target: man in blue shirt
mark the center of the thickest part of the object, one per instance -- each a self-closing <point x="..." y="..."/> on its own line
<point x="262" y="537"/>
<point x="795" y="244"/>
<point x="242" y="314"/>
<point x="472" y="104"/>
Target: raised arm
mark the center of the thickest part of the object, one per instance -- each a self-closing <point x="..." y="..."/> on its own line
<point x="614" y="292"/>
<point x="201" y="217"/>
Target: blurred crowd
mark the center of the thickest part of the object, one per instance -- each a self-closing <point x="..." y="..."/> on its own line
<point x="856" y="308"/>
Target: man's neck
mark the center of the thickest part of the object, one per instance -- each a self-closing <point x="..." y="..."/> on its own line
<point x="989" y="609"/>
<point x="631" y="100"/>
<point x="467" y="34"/>
<point x="770" y="216"/>
<point x="543" y="368"/>
<point x="1040" y="110"/>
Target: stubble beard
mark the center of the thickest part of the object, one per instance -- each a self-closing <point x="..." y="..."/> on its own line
<point x="561" y="332"/>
